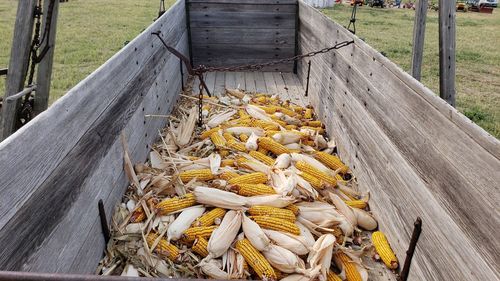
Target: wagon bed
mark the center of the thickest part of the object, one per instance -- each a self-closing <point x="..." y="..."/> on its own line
<point x="415" y="154"/>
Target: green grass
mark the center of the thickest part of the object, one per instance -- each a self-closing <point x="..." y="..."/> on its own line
<point x="91" y="31"/>
<point x="477" y="54"/>
<point x="88" y="33"/>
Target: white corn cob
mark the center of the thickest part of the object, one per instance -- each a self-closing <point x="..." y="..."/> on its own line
<point x="287" y="241"/>
<point x="305" y="187"/>
<point x="251" y="143"/>
<point x="215" y="161"/>
<point x="218" y="119"/>
<point x="255" y="234"/>
<point x="281" y="183"/>
<point x="329" y="215"/>
<point x="274" y="200"/>
<point x="213" y="270"/>
<point x="287" y="137"/>
<point x="343" y="208"/>
<point x="224" y="235"/>
<point x="284" y="260"/>
<point x="218" y="198"/>
<point x="306" y="235"/>
<point x="321" y="254"/>
<point x="283" y="161"/>
<point x="183" y="222"/>
<point x="293" y="146"/>
<point x="246" y="131"/>
<point x="258" y="113"/>
<point x="364" y="219"/>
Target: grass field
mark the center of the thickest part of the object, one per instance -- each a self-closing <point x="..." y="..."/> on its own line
<point x="477" y="54"/>
<point x="91" y="31"/>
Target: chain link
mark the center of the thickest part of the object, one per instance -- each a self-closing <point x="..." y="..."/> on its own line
<point x="200" y="101"/>
<point x="255" y="67"/>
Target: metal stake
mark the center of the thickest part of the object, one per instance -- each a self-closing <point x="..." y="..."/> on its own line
<point x="104" y="223"/>
<point x="411" y="249"/>
<point x="182" y="74"/>
<point x="308" y="75"/>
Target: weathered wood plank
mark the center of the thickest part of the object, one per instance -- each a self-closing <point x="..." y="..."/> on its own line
<point x="251" y="20"/>
<point x="223" y="62"/>
<point x="418" y="38"/>
<point x="44" y="75"/>
<point x="18" y="64"/>
<point x="72" y="136"/>
<point x="230" y="81"/>
<point x="259" y="2"/>
<point x="338" y="75"/>
<point x="447" y="30"/>
<point x="250" y="82"/>
<point x="280" y="85"/>
<point x="245" y="8"/>
<point x="210" y="81"/>
<point x="270" y="83"/>
<point x="260" y="82"/>
<point x="294" y="88"/>
<point x="220" y="81"/>
<point x="237" y="51"/>
<point x="232" y="35"/>
<point x="240" y="80"/>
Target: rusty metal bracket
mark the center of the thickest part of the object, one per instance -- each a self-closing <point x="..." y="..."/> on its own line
<point x="308" y="75"/>
<point x="411" y="249"/>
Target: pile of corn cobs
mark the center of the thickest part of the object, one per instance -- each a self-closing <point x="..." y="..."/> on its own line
<point x="258" y="193"/>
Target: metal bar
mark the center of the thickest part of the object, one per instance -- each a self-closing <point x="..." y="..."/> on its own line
<point x="182" y="74"/>
<point x="21" y="94"/>
<point x="104" y="222"/>
<point x="411" y="249"/>
<point x="4" y="71"/>
<point x="176" y="53"/>
<point x="308" y="74"/>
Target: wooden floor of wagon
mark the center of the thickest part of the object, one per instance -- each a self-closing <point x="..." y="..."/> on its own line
<point x="286" y="84"/>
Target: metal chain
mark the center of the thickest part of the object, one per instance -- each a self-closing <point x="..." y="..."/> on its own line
<point x="254" y="67"/>
<point x="353" y="19"/>
<point x="200" y="101"/>
<point x="35" y="44"/>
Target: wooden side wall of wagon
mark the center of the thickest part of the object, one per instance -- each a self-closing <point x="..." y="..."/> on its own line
<point x="415" y="154"/>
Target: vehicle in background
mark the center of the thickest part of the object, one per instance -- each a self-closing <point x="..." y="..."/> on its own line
<point x="462" y="6"/>
<point x="482" y="3"/>
<point x="375" y="3"/>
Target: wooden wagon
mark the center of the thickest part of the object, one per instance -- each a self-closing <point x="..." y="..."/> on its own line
<point x="416" y="155"/>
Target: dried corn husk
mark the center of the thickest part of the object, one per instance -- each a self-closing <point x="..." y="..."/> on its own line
<point x="287" y="137"/>
<point x="281" y="183"/>
<point x="222" y="237"/>
<point x="218" y="198"/>
<point x="283" y="161"/>
<point x="215" y="162"/>
<point x="329" y="215"/>
<point x="284" y="260"/>
<point x="246" y="131"/>
<point x="213" y="269"/>
<point x="296" y="277"/>
<point x="258" y="113"/>
<point x="364" y="219"/>
<point x="287" y="241"/>
<point x="343" y="208"/>
<point x="216" y="120"/>
<point x="255" y="234"/>
<point x="183" y="222"/>
<point x="321" y="254"/>
<point x="274" y="200"/>
<point x="186" y="128"/>
<point x="251" y="143"/>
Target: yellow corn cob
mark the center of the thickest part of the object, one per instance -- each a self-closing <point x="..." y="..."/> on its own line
<point x="337" y="232"/>
<point x="314" y="123"/>
<point x="351" y="272"/>
<point x="330" y="276"/>
<point x="315" y="182"/>
<point x="262" y="157"/>
<point x="208" y="219"/>
<point x="255" y="189"/>
<point x="297" y="109"/>
<point x="229" y="137"/>
<point x="243" y="137"/>
<point x="198" y="231"/>
<point x="200" y="246"/>
<point x="262" y="150"/>
<point x="331" y="161"/>
<point x="308" y="113"/>
<point x="257" y="177"/>
<point x="286" y="111"/>
<point x="207" y="133"/>
<point x="163" y="248"/>
<point x="261" y="99"/>
<point x="273" y="146"/>
<point x="243" y="114"/>
<point x="307" y="168"/>
<point x="268" y="109"/>
<point x="138" y="215"/>
<point x="294" y="208"/>
<point x="291" y="127"/>
<point x="384" y="249"/>
<point x="201" y="175"/>
<point x="223" y="152"/>
<point x="255" y="259"/>
<point x="217" y="139"/>
<point x="227" y="163"/>
<point x="281" y="122"/>
<point x="241" y="162"/>
<point x="236" y="145"/>
<point x="279" y="275"/>
<point x="276" y="224"/>
<point x="170" y="205"/>
<point x="274" y="212"/>
<point x="308" y="142"/>
<point x="360" y="204"/>
<point x="265" y="125"/>
<point x="227" y="175"/>
<point x="272" y="133"/>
